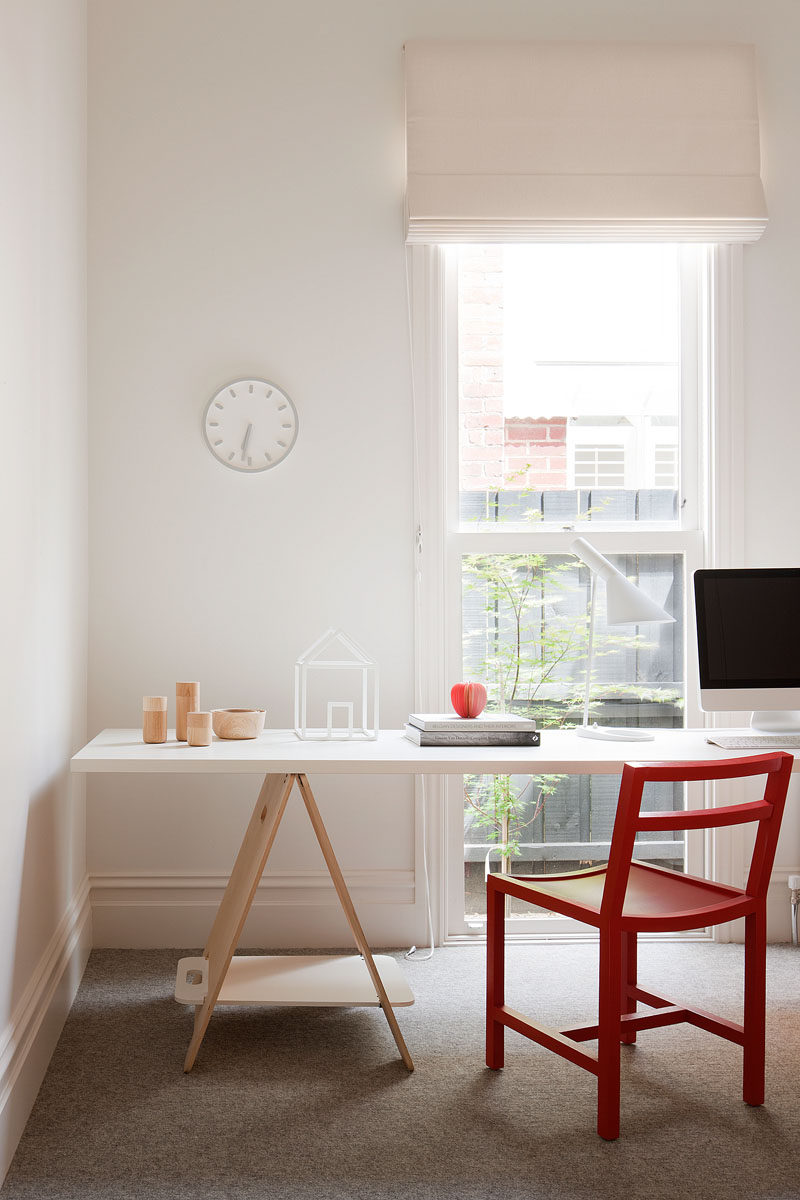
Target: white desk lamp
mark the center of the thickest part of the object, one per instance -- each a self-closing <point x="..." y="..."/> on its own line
<point x="626" y="604"/>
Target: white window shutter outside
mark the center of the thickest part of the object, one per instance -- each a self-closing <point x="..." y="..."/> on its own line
<point x="531" y="141"/>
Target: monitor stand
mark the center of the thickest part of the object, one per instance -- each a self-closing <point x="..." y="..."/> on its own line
<point x="779" y="721"/>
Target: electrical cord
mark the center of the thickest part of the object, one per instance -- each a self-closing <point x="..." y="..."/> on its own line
<point x="412" y="953"/>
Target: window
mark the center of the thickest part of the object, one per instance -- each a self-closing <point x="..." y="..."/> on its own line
<point x="598" y="466"/>
<point x="665" y="465"/>
<point x="573" y="395"/>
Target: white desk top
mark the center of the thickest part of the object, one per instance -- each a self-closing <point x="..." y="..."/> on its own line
<point x="280" y="750"/>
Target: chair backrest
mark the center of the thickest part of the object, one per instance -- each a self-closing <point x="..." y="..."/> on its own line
<point x="630" y="821"/>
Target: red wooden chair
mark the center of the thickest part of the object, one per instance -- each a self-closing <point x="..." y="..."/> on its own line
<point x="625" y="898"/>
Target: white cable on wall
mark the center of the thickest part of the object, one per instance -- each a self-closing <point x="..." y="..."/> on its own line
<point x="413" y="951"/>
<point x="418" y="547"/>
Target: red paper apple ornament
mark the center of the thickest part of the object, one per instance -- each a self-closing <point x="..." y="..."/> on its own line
<point x="468" y="699"/>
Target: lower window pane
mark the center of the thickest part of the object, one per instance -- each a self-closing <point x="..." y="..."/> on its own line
<point x="551" y="823"/>
<point x="524" y="619"/>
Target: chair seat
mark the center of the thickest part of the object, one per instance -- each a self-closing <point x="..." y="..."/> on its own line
<point x="653" y="893"/>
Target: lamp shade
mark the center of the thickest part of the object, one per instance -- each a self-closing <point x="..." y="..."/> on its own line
<point x="626" y="604"/>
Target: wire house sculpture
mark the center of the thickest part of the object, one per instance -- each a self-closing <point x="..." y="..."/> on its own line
<point x="352" y="716"/>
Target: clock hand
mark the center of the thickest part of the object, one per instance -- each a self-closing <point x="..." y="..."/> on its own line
<point x="246" y="440"/>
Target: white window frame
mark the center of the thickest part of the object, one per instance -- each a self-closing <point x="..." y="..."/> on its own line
<point x="710" y="529"/>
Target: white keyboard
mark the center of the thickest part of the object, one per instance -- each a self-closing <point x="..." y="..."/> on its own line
<point x="755" y="741"/>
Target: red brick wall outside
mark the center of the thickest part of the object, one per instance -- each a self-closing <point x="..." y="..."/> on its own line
<point x="535" y="452"/>
<point x="497" y="452"/>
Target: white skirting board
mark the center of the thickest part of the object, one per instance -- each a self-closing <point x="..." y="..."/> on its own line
<point x="29" y="1039"/>
<point x="291" y="910"/>
<point x="157" y="910"/>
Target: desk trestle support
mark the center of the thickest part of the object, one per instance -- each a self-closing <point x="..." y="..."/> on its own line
<point x="213" y="969"/>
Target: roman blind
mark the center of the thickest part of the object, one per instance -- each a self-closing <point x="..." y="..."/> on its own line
<point x="527" y="141"/>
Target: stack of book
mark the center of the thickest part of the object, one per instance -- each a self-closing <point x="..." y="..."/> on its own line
<point x="489" y="729"/>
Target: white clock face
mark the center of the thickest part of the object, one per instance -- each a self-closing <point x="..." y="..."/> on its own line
<point x="250" y="425"/>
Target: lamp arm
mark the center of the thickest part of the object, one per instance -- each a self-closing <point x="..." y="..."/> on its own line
<point x="589" y="650"/>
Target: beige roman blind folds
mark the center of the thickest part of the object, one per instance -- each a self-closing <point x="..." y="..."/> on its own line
<point x="527" y="141"/>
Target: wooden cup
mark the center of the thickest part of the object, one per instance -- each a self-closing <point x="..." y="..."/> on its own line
<point x="187" y="699"/>
<point x="198" y="728"/>
<point x="154" y="719"/>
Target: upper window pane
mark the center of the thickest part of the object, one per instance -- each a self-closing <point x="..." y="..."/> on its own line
<point x="569" y="383"/>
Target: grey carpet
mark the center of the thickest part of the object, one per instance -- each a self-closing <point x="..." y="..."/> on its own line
<point x="302" y="1103"/>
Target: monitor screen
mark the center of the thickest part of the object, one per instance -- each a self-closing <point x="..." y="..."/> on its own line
<point x="748" y="628"/>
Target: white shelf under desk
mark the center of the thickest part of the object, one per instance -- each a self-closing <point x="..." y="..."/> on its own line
<point x="306" y="979"/>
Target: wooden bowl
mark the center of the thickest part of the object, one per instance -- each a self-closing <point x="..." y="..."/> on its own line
<point x="236" y="723"/>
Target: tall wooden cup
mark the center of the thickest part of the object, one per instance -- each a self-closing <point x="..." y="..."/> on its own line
<point x="187" y="699"/>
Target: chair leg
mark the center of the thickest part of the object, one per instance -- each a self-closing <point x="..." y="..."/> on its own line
<point x="495" y="975"/>
<point x="755" y="972"/>
<point x="629" y="977"/>
<point x="609" y="1034"/>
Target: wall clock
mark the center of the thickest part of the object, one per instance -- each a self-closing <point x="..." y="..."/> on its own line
<point x="250" y="425"/>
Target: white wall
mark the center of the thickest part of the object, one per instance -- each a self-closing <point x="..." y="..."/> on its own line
<point x="44" y="914"/>
<point x="245" y="186"/>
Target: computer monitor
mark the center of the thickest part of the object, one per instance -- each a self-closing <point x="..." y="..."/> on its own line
<point x="748" y="641"/>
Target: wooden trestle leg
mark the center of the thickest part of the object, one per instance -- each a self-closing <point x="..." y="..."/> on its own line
<point x="241" y="889"/>
<point x="238" y="897"/>
<point x="335" y="873"/>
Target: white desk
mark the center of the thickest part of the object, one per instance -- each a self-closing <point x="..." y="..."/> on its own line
<point x="278" y="750"/>
<point x="285" y="762"/>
